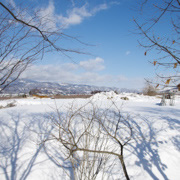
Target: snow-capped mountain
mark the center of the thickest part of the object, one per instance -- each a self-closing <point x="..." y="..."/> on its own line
<point x="26" y="85"/>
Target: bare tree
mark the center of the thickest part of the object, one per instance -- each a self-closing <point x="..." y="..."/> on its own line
<point x="149" y="90"/>
<point x="89" y="137"/>
<point x="25" y="37"/>
<point x="166" y="45"/>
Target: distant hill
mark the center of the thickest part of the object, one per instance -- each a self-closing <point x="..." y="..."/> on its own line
<point x="26" y="85"/>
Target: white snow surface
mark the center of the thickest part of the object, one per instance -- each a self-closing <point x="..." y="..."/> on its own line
<point x="153" y="154"/>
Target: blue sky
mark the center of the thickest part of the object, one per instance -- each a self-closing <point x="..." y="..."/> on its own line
<point x="115" y="59"/>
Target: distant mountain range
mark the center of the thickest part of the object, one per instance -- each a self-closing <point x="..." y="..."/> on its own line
<point x="26" y="85"/>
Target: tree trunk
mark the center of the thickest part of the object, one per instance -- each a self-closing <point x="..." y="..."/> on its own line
<point x="124" y="167"/>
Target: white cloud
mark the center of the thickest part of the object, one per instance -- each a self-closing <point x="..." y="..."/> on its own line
<point x="99" y="8"/>
<point x="47" y="17"/>
<point x="128" y="52"/>
<point x="53" y="73"/>
<point x="74" y="16"/>
<point x="50" y="20"/>
<point x="96" y="64"/>
<point x="70" y="66"/>
<point x="58" y="73"/>
<point x="71" y="73"/>
<point x="44" y="17"/>
<point x="67" y="72"/>
<point x="12" y="3"/>
<point x="77" y="15"/>
<point x="115" y="3"/>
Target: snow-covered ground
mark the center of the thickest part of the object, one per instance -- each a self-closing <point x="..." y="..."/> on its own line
<point x="154" y="153"/>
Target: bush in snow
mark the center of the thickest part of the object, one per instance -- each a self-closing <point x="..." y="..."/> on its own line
<point x="89" y="136"/>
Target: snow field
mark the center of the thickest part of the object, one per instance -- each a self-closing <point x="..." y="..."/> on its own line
<point x="153" y="153"/>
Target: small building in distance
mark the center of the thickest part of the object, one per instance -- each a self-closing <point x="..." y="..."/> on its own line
<point x="168" y="95"/>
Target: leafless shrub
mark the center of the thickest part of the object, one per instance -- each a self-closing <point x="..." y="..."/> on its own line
<point x="96" y="91"/>
<point x="12" y="104"/>
<point x="89" y="137"/>
<point x="125" y="98"/>
<point x="149" y="90"/>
